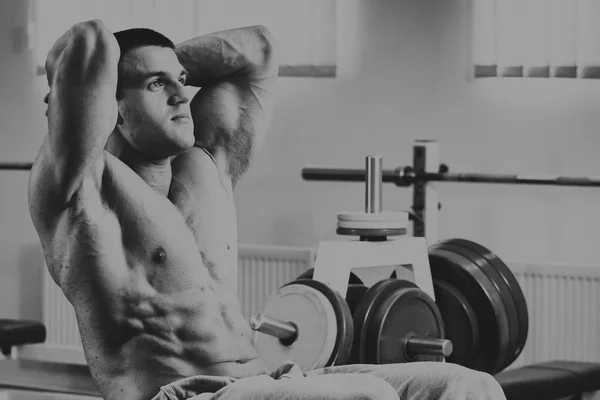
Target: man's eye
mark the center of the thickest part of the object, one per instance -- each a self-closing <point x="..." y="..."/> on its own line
<point x="182" y="80"/>
<point x="155" y="84"/>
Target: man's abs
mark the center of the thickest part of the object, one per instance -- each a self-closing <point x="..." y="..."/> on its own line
<point x="149" y="308"/>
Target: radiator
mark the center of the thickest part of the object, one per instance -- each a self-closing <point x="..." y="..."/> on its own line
<point x="264" y="269"/>
<point x="563" y="303"/>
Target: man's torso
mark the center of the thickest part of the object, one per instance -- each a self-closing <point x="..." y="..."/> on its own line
<point x="152" y="279"/>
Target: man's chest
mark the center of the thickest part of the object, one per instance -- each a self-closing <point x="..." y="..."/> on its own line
<point x="210" y="215"/>
<point x="195" y="225"/>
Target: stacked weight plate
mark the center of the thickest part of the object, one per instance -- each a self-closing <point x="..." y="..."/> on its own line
<point x="484" y="310"/>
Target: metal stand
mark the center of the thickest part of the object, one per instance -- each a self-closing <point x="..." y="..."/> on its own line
<point x="426" y="158"/>
<point x="375" y="255"/>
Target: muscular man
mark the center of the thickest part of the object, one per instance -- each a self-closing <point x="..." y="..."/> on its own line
<point x="132" y="197"/>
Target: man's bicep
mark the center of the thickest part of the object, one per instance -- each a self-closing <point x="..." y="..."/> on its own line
<point x="233" y="117"/>
<point x="82" y="108"/>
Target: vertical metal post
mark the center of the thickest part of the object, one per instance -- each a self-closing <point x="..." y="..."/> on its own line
<point x="418" y="191"/>
<point x="425" y="198"/>
<point x="374" y="184"/>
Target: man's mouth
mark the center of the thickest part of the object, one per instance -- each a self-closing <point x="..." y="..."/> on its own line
<point x="181" y="117"/>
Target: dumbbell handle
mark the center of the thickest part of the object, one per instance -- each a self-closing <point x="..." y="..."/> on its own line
<point x="428" y="347"/>
<point x="282" y="330"/>
<point x="286" y="332"/>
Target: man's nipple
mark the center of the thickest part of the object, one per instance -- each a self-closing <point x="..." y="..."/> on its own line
<point x="159" y="256"/>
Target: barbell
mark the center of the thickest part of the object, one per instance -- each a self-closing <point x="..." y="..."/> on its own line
<point x="479" y="318"/>
<point x="406" y="176"/>
<point x="312" y="325"/>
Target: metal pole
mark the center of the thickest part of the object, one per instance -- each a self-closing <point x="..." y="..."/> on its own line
<point x="405" y="177"/>
<point x="342" y="175"/>
<point x="418" y="200"/>
<point x="373" y="198"/>
<point x="435" y="347"/>
<point x="274" y="327"/>
<point x="16" y="166"/>
<point x="508" y="179"/>
<point x="426" y="159"/>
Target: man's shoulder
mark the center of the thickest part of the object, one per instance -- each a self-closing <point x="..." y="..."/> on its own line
<point x="199" y="167"/>
<point x="48" y="203"/>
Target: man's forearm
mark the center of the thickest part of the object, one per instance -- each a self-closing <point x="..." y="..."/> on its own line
<point x="211" y="58"/>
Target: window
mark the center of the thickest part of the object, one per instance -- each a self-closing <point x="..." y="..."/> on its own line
<point x="304" y="29"/>
<point x="536" y="38"/>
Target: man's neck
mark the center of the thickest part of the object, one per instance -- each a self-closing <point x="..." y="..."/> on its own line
<point x="156" y="172"/>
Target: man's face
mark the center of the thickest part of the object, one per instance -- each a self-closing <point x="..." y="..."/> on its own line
<point x="155" y="107"/>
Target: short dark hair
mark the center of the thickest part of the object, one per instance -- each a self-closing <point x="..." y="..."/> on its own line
<point x="130" y="39"/>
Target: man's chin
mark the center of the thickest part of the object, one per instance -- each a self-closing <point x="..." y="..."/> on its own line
<point x="181" y="146"/>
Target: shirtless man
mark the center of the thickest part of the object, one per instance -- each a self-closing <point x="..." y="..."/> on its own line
<point x="132" y="197"/>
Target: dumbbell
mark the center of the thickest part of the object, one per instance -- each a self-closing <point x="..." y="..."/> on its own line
<point x="396" y="322"/>
<point x="306" y="322"/>
<point x="313" y="325"/>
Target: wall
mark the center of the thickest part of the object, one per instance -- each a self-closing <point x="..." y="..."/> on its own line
<point x="403" y="76"/>
<point x="22" y="126"/>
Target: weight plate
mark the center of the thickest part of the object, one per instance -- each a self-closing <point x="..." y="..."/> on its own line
<point x="515" y="289"/>
<point x="353" y="280"/>
<point x="356" y="292"/>
<point x="345" y="324"/>
<point x="501" y="287"/>
<point x="383" y="216"/>
<point x="314" y="315"/>
<point x="461" y="273"/>
<point x="461" y="326"/>
<point x="371" y="232"/>
<point x="360" y="316"/>
<point x="354" y="295"/>
<point x="373" y="224"/>
<point x="406" y="282"/>
<point x="401" y="312"/>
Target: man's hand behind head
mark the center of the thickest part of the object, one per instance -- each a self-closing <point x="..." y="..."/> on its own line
<point x="46" y="97"/>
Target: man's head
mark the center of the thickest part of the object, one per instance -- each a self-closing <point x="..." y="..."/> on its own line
<point x="154" y="113"/>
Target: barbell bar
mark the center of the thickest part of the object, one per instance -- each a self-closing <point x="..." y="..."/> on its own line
<point x="16" y="166"/>
<point x="287" y="332"/>
<point x="405" y="176"/>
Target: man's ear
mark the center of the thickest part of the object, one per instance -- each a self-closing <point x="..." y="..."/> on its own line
<point x="120" y="120"/>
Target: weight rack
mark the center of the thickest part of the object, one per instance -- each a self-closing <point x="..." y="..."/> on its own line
<point x="427" y="169"/>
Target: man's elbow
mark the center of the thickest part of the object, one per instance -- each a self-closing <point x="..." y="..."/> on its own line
<point x="267" y="57"/>
<point x="94" y="34"/>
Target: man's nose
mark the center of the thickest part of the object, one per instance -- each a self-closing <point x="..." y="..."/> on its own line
<point x="179" y="95"/>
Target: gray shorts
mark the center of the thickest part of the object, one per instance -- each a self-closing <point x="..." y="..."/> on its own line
<point x="422" y="380"/>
